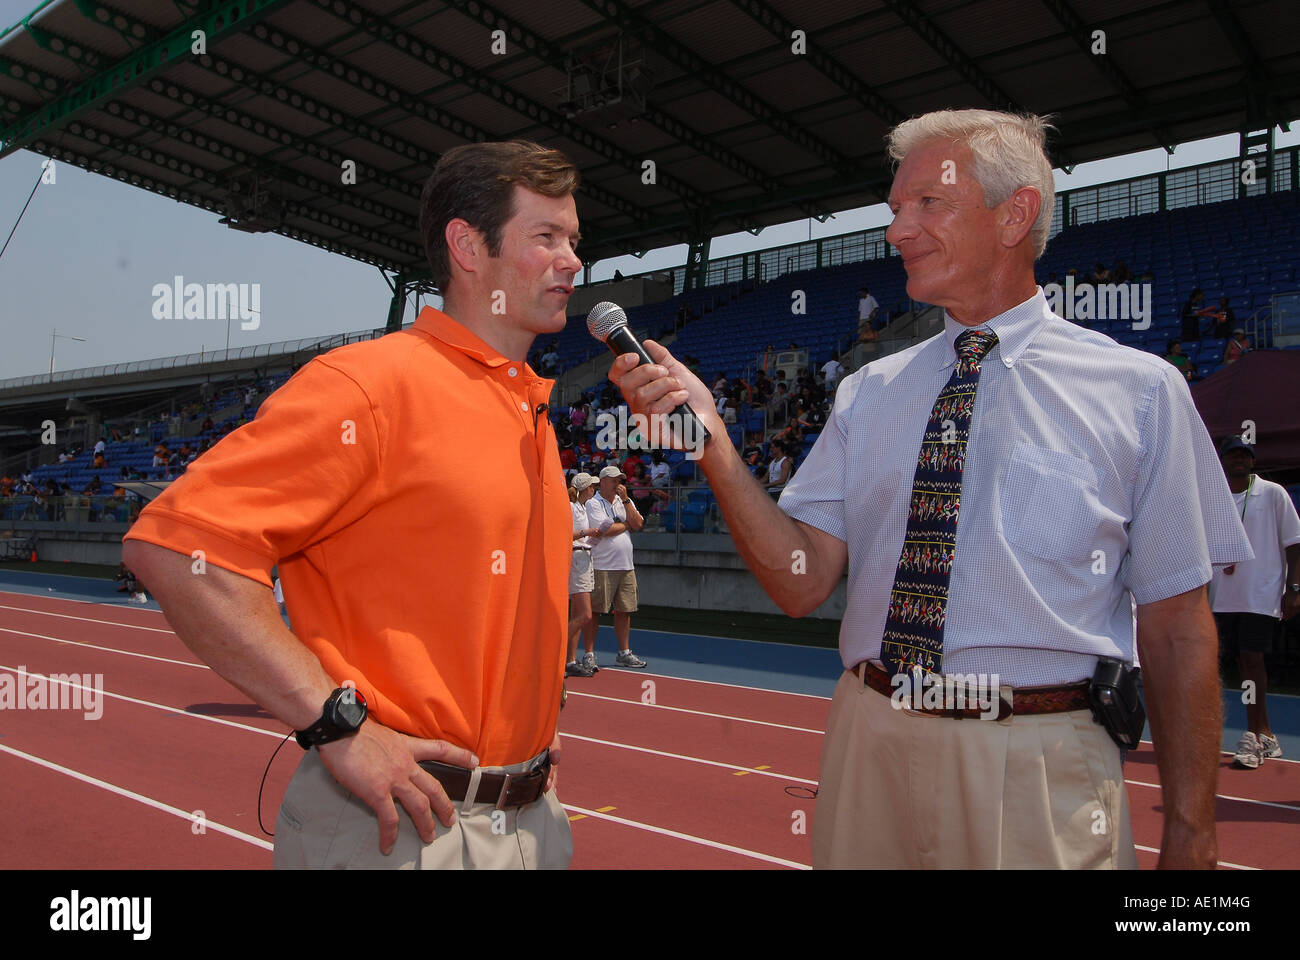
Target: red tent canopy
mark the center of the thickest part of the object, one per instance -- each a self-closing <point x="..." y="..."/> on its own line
<point x="1263" y="386"/>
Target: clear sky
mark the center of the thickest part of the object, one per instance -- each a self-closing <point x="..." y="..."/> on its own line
<point x="89" y="250"/>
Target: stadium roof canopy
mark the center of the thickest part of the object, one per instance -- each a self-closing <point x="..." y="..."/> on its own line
<point x="753" y="112"/>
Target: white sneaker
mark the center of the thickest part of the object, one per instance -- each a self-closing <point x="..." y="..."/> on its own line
<point x="626" y="658"/>
<point x="1269" y="748"/>
<point x="139" y="598"/>
<point x="590" y="660"/>
<point x="1249" y="753"/>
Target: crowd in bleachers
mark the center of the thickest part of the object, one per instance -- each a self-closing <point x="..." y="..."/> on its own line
<point x="80" y="483"/>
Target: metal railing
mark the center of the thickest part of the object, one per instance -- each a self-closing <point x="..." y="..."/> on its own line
<point x="74" y="508"/>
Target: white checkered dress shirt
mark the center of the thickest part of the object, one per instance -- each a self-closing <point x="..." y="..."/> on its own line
<point x="1089" y="476"/>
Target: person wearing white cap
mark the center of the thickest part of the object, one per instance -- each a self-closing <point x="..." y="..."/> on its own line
<point x="612" y="512"/>
<point x="581" y="578"/>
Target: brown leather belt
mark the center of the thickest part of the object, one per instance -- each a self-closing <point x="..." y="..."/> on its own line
<point x="503" y="790"/>
<point x="1023" y="701"/>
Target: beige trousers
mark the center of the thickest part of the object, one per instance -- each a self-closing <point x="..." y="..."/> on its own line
<point x="904" y="790"/>
<point x="323" y="826"/>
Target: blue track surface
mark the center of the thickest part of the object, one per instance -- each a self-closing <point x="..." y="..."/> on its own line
<point x="749" y="663"/>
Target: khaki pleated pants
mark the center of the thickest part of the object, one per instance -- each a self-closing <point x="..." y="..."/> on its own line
<point x="904" y="790"/>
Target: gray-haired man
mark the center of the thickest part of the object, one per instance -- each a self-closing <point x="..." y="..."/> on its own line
<point x="999" y="495"/>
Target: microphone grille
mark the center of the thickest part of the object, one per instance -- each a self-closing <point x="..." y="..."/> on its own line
<point x="603" y="318"/>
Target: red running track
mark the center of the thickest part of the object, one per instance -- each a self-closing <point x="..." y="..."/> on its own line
<point x="657" y="772"/>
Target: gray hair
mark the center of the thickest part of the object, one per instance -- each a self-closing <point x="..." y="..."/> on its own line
<point x="1008" y="151"/>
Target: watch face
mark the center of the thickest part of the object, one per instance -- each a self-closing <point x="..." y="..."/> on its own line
<point x="350" y="709"/>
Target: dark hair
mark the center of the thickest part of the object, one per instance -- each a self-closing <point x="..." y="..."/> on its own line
<point x="475" y="183"/>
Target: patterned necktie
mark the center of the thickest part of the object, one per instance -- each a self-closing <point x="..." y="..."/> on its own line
<point x="918" y="602"/>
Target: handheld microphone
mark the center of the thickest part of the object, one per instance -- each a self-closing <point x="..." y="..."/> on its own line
<point x="608" y="323"/>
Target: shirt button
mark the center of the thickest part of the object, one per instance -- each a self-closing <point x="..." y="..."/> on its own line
<point x="513" y="372"/>
<point x="523" y="406"/>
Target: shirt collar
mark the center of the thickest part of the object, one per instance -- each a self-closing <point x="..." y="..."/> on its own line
<point x="1015" y="329"/>
<point x="437" y="324"/>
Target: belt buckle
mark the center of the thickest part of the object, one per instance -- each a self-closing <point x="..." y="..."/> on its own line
<point x="505" y="788"/>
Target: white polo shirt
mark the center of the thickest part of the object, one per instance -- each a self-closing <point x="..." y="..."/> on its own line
<point x="1255" y="586"/>
<point x="609" y="553"/>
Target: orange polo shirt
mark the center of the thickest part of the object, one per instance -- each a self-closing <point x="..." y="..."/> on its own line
<point x="413" y="499"/>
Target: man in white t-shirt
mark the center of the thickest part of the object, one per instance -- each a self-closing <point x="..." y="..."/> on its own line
<point x="612" y="512"/>
<point x="832" y="369"/>
<point x="100" y="447"/>
<point x="1251" y="599"/>
<point x="868" y="307"/>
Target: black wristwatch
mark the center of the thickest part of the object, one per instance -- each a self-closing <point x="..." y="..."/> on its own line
<point x="342" y="717"/>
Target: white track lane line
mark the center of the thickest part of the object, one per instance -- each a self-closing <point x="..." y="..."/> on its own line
<point x="621" y="746"/>
<point x="717" y="683"/>
<point x="688" y="837"/>
<point x="1223" y="796"/>
<point x="243" y="836"/>
<point x="95" y="646"/>
<point x="148" y="703"/>
<point x="680" y="756"/>
<point x="138" y="797"/>
<point x="698" y="713"/>
<point x="1222" y="863"/>
<point x="68" y="616"/>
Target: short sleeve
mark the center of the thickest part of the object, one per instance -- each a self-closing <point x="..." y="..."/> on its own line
<point x="1288" y="522"/>
<point x="306" y="467"/>
<point x="1184" y="521"/>
<point x="815" y="494"/>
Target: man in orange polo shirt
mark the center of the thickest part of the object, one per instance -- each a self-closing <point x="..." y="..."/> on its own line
<point x="428" y="603"/>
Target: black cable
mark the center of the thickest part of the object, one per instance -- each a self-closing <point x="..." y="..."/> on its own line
<point x="20" y="215"/>
<point x="809" y="793"/>
<point x="263" y="783"/>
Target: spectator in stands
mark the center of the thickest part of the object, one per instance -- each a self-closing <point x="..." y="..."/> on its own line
<point x="1237" y="347"/>
<point x="1100" y="274"/>
<point x="568" y="458"/>
<point x="777" y="406"/>
<point x="100" y="447"/>
<point x="1174" y="354"/>
<point x="1191" y="316"/>
<point x="207" y="424"/>
<point x="98" y="462"/>
<point x="832" y="370"/>
<point x="1250" y="599"/>
<point x="1121" y="274"/>
<point x="661" y="475"/>
<point x="161" y="454"/>
<point x="612" y="512"/>
<point x="578" y="414"/>
<point x="720" y="385"/>
<point x="551" y="359"/>
<point x="753" y="454"/>
<point x="779" y="469"/>
<point x="728" y="408"/>
<point x="868" y="308"/>
<point x="7" y="484"/>
<point x="581" y="575"/>
<point x="93" y="488"/>
<point x="639" y="487"/>
<point x="1222" y="321"/>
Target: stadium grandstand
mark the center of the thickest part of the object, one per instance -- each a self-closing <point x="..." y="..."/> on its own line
<point x="751" y="113"/>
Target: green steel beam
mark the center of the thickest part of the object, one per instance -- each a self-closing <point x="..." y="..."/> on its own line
<point x="555" y="57"/>
<point x="98" y="165"/>
<point x="840" y="75"/>
<point x="219" y="20"/>
<point x="475" y="79"/>
<point x="413" y="104"/>
<point x="666" y="46"/>
<point x="152" y="123"/>
<point x="238" y="157"/>
<point x="966" y="68"/>
<point x="1076" y="28"/>
<point x="286" y="138"/>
